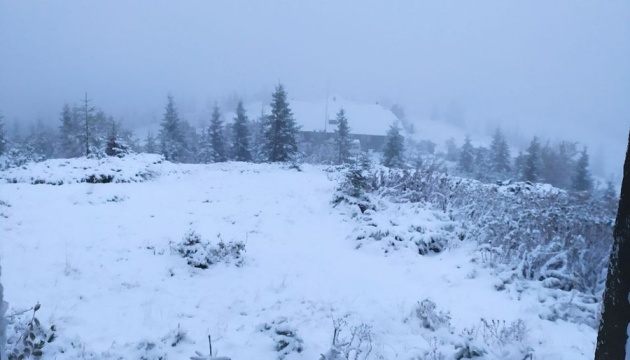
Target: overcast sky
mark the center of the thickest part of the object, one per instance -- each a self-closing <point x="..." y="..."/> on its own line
<point x="539" y="66"/>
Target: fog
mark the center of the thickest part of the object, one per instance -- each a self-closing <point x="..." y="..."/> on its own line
<point x="560" y="69"/>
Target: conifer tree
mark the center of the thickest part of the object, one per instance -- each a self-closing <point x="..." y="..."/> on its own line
<point x="394" y="147"/>
<point x="466" y="157"/>
<point x="582" y="180"/>
<point x="280" y="130"/>
<point x="500" y="154"/>
<point x="150" y="146"/>
<point x="257" y="130"/>
<point x="69" y="131"/>
<point x="215" y="132"/>
<point x="87" y="114"/>
<point x="116" y="146"/>
<point x="533" y="162"/>
<point x="171" y="136"/>
<point x="240" y="132"/>
<point x="342" y="138"/>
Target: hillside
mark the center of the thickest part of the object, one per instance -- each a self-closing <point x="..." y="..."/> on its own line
<point x="102" y="261"/>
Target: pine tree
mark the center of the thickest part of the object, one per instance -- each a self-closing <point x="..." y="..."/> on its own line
<point x="3" y="140"/>
<point x="87" y="115"/>
<point x="216" y="136"/>
<point x="257" y="130"/>
<point x="500" y="154"/>
<point x="115" y="144"/>
<point x="240" y="132"/>
<point x="150" y="146"/>
<point x="582" y="180"/>
<point x="280" y="130"/>
<point x="466" y="157"/>
<point x="533" y="162"/>
<point x="171" y="137"/>
<point x="613" y="329"/>
<point x="342" y="138"/>
<point x="394" y="147"/>
<point x="69" y="131"/>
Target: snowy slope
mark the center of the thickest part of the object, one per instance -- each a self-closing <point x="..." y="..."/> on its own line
<point x="104" y="273"/>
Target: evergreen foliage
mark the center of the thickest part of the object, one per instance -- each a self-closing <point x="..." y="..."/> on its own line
<point x="533" y="162"/>
<point x="240" y="135"/>
<point x="257" y="131"/>
<point x="466" y="157"/>
<point x="116" y="146"/>
<point x="69" y="131"/>
<point x="394" y="147"/>
<point x="87" y="116"/>
<point x="582" y="180"/>
<point x="500" y="154"/>
<point x="342" y="138"/>
<point x="215" y="134"/>
<point x="280" y="130"/>
<point x="171" y="138"/>
<point x="150" y="145"/>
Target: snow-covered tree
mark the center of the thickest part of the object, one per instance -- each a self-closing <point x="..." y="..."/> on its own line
<point x="172" y="144"/>
<point x="280" y="130"/>
<point x="394" y="147"/>
<point x="257" y="131"/>
<point x="116" y="146"/>
<point x="87" y="117"/>
<point x="582" y="180"/>
<point x="150" y="145"/>
<point x="532" y="162"/>
<point x="613" y="329"/>
<point x="217" y="140"/>
<point x="342" y="138"/>
<point x="69" y="131"/>
<point x="466" y="157"/>
<point x="500" y="154"/>
<point x="240" y="135"/>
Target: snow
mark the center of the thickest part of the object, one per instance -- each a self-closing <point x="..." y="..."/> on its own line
<point x="313" y="115"/>
<point x="98" y="258"/>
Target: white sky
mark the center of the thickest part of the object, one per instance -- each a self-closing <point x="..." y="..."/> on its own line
<point x="554" y="67"/>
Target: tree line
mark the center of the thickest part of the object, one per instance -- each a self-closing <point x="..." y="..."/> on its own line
<point x="562" y="165"/>
<point x="85" y="130"/>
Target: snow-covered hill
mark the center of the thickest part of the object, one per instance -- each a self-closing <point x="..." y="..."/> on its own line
<point x="99" y="259"/>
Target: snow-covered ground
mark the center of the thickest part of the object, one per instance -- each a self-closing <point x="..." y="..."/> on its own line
<point x="98" y="258"/>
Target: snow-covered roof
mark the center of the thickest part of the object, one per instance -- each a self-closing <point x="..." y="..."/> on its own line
<point x="363" y="118"/>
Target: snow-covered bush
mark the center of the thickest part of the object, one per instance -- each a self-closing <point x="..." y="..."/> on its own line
<point x="202" y="254"/>
<point x="284" y="336"/>
<point x="430" y="318"/>
<point x="26" y="336"/>
<point x="536" y="231"/>
<point x="132" y="168"/>
<point x="355" y="185"/>
<point x="357" y="345"/>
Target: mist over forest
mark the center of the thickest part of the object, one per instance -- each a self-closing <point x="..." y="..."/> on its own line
<point x="558" y="70"/>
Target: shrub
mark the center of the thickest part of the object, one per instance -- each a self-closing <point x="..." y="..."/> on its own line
<point x="202" y="254"/>
<point x="27" y="337"/>
<point x="284" y="336"/>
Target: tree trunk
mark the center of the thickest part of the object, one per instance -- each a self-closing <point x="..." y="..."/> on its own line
<point x="613" y="329"/>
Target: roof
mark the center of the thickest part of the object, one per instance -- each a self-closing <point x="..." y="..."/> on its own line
<point x="363" y="118"/>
